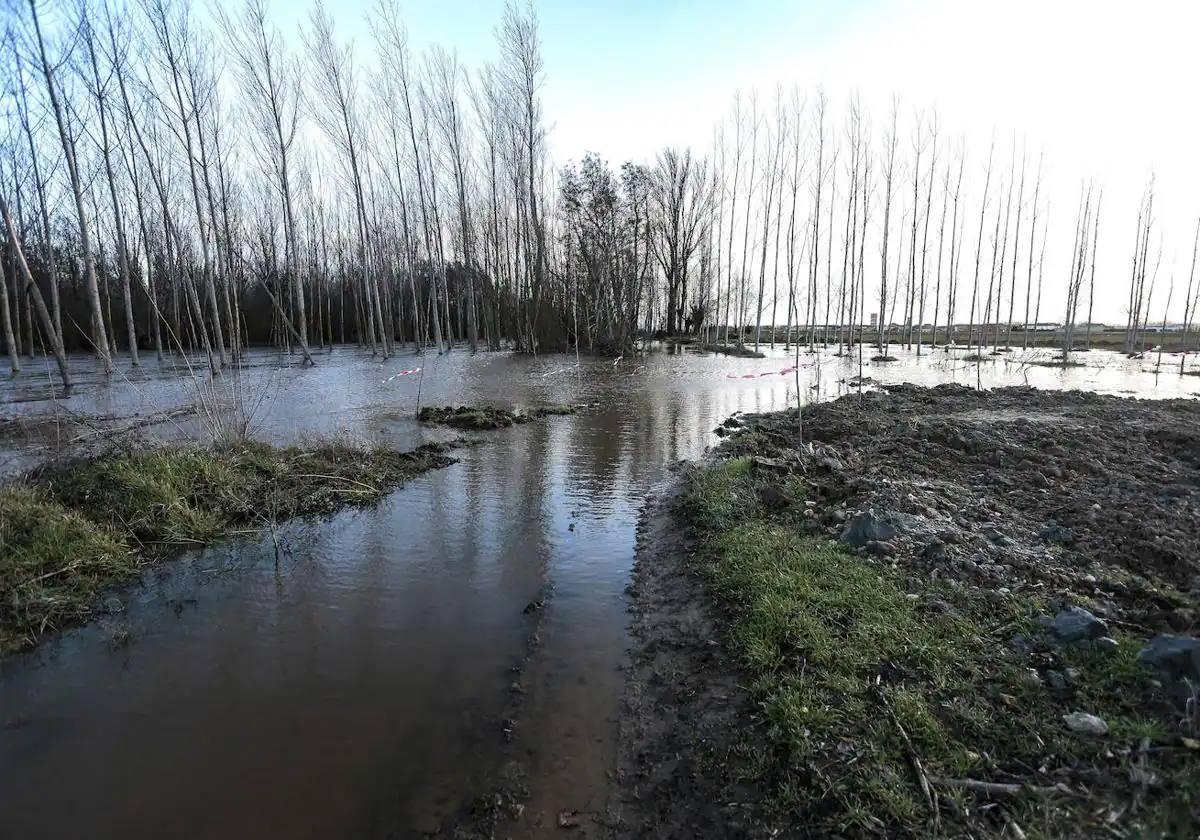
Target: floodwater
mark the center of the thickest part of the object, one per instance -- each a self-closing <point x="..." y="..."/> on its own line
<point x="392" y="666"/>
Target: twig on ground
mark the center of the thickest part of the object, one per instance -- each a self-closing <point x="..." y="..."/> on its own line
<point x="931" y="797"/>
<point x="1003" y="788"/>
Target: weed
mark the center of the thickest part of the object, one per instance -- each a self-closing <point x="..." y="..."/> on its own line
<point x="870" y="700"/>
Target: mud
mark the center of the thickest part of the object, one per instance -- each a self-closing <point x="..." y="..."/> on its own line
<point x="1010" y="495"/>
<point x="688" y="727"/>
<point x="481" y="418"/>
<point x="993" y="475"/>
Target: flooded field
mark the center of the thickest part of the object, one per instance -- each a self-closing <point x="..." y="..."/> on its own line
<point x="396" y="665"/>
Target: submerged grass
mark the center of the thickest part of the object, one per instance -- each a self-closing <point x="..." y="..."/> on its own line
<point x="70" y="531"/>
<point x="885" y="717"/>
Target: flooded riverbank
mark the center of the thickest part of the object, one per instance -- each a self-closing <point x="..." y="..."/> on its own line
<point x="405" y="662"/>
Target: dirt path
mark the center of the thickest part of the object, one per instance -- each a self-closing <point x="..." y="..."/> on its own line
<point x="683" y="701"/>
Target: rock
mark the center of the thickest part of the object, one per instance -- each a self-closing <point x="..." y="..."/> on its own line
<point x="1107" y="644"/>
<point x="867" y="527"/>
<point x="1055" y="533"/>
<point x="763" y="464"/>
<point x="935" y="551"/>
<point x="113" y="605"/>
<point x="997" y="537"/>
<point x="1176" y="657"/>
<point x="1030" y="678"/>
<point x="1075" y="624"/>
<point x="773" y="496"/>
<point x="1181" y="619"/>
<point x="1082" y="723"/>
<point x="881" y="548"/>
<point x="1056" y="680"/>
<point x="937" y="605"/>
<point x="830" y="462"/>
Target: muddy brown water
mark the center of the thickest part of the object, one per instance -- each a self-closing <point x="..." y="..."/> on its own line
<point x="383" y="672"/>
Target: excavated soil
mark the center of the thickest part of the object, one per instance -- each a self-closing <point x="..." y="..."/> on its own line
<point x="1015" y="488"/>
<point x="1066" y="497"/>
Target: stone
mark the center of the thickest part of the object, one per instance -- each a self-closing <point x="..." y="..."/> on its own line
<point x="1107" y="644"/>
<point x="1175" y="657"/>
<point x="1181" y="619"/>
<point x="881" y="548"/>
<point x="935" y="551"/>
<point x="773" y="496"/>
<point x="867" y="527"/>
<point x="763" y="464"/>
<point x="1030" y="678"/>
<point x="1075" y="624"/>
<point x="1055" y="533"/>
<point x="937" y="605"/>
<point x="996" y="536"/>
<point x="1083" y="723"/>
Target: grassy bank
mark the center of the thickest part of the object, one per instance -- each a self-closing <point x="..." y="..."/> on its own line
<point x="899" y="706"/>
<point x="71" y="531"/>
<point x="483" y="417"/>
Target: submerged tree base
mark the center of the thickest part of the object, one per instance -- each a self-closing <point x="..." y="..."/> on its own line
<point x="72" y="530"/>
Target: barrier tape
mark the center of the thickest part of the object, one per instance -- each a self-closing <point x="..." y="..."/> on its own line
<point x="402" y="373"/>
<point x="781" y="372"/>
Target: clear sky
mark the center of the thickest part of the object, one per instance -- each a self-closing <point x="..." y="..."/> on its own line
<point x="1107" y="88"/>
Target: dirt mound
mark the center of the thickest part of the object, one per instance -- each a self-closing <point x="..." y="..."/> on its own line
<point x="923" y="612"/>
<point x="1021" y="487"/>
<point x="484" y="417"/>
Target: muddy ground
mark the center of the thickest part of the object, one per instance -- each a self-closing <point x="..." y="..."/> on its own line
<point x="1067" y="492"/>
<point x="1028" y="500"/>
<point x="688" y="724"/>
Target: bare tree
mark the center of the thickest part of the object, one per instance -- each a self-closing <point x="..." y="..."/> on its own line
<point x="270" y="85"/>
<point x="682" y="199"/>
<point x="67" y="140"/>
<point x="891" y="140"/>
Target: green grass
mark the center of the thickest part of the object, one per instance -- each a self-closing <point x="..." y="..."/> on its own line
<point x="53" y="563"/>
<point x="857" y="682"/>
<point x="73" y="530"/>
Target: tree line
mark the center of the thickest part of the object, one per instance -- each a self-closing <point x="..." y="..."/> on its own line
<point x="178" y="183"/>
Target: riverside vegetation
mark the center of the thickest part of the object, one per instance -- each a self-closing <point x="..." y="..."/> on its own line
<point x="71" y="530"/>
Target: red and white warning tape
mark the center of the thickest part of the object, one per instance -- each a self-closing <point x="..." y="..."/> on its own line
<point x="402" y="373"/>
<point x="781" y="372"/>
